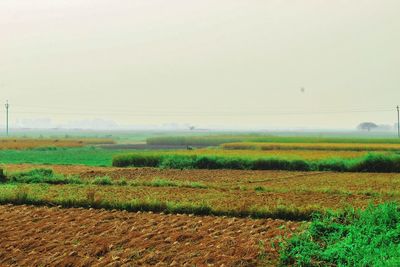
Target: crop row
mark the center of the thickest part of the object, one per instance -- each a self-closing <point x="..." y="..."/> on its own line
<point x="214" y="140"/>
<point x="311" y="146"/>
<point x="26" y="143"/>
<point x="137" y="199"/>
<point x="259" y="202"/>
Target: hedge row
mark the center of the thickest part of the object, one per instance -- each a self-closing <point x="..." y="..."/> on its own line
<point x="369" y="163"/>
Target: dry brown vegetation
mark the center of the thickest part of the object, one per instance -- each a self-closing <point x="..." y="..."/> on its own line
<point x="22" y="143"/>
<point x="40" y="236"/>
<point x="311" y="146"/>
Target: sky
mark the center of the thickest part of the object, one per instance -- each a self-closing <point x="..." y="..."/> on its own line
<point x="229" y="63"/>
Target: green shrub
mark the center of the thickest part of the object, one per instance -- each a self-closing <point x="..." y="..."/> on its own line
<point x="136" y="160"/>
<point x="378" y="163"/>
<point x="354" y="238"/>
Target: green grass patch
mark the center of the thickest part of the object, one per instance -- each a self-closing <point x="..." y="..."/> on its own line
<point x="90" y="156"/>
<point x="354" y="238"/>
<point x="41" y="175"/>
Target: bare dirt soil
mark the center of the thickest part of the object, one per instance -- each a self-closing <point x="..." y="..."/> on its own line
<point x="42" y="236"/>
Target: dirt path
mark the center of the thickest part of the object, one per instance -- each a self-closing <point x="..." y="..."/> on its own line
<point x="41" y="236"/>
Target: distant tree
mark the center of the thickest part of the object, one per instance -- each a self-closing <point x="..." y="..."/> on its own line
<point x="367" y="126"/>
<point x="192" y="128"/>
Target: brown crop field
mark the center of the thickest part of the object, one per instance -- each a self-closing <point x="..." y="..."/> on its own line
<point x="289" y="154"/>
<point x="9" y="143"/>
<point x="142" y="216"/>
<point x="273" y="180"/>
<point x="230" y="190"/>
<point x="41" y="236"/>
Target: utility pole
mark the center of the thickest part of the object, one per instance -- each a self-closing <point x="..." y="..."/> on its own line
<point x="7" y="107"/>
<point x="398" y="121"/>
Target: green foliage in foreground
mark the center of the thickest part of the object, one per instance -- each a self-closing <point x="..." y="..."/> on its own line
<point x="368" y="163"/>
<point x="355" y="238"/>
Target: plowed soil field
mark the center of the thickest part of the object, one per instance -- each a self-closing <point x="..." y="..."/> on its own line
<point x="41" y="236"/>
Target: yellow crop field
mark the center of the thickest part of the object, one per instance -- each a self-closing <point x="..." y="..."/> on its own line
<point x="289" y="154"/>
<point x="22" y="143"/>
<point x="311" y="146"/>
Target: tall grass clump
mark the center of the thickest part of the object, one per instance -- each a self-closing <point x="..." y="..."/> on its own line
<point x="354" y="238"/>
<point x="136" y="160"/>
<point x="41" y="175"/>
<point x="103" y="180"/>
<point x="377" y="163"/>
<point x="368" y="163"/>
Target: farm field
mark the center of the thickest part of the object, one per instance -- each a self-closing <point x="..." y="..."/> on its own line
<point x="29" y="143"/>
<point x="215" y="140"/>
<point x="287" y="154"/>
<point x="279" y="194"/>
<point x="374" y="183"/>
<point x="93" y="156"/>
<point x="81" y="237"/>
<point x="311" y="146"/>
<point x="80" y="187"/>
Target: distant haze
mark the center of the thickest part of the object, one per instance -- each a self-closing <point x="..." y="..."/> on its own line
<point x="261" y="63"/>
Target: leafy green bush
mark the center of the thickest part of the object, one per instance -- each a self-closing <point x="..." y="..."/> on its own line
<point x="354" y="238"/>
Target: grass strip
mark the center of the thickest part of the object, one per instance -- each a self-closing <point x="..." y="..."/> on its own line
<point x="21" y="195"/>
<point x="47" y="176"/>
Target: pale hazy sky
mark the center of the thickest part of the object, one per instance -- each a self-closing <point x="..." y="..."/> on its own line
<point x="205" y="62"/>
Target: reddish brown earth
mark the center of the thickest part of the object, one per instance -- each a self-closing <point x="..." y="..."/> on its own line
<point x="41" y="236"/>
